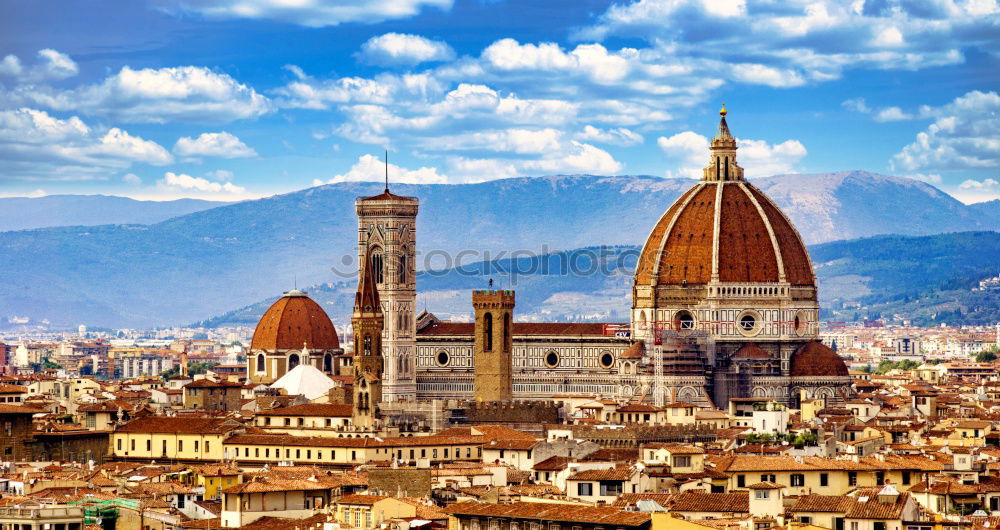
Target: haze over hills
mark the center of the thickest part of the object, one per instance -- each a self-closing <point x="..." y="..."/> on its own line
<point x="206" y="263"/>
<point x="929" y="279"/>
<point x="24" y="213"/>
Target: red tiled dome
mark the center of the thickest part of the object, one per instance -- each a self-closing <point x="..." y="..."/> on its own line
<point x="751" y="351"/>
<point x="756" y="242"/>
<point x="815" y="359"/>
<point x="293" y="321"/>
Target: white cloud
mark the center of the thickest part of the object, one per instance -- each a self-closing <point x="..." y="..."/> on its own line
<point x="132" y="179"/>
<point x="801" y="41"/>
<point x="157" y="95"/>
<point x="590" y="60"/>
<point x="404" y="49"/>
<point x="220" y="175"/>
<point x="369" y="168"/>
<point x="35" y="145"/>
<point x="892" y="114"/>
<point x="689" y="152"/>
<point x="51" y="65"/>
<point x="578" y="157"/>
<point x="760" y="159"/>
<point x="519" y="141"/>
<point x="971" y="191"/>
<point x="220" y="144"/>
<point x="617" y="136"/>
<point x="180" y="182"/>
<point x="310" y="13"/>
<point x="932" y="178"/>
<point x="856" y="105"/>
<point x="965" y="134"/>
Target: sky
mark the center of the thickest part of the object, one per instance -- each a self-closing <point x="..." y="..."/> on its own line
<point x="238" y="99"/>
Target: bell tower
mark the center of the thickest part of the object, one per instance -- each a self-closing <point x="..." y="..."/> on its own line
<point x="367" y="323"/>
<point x="387" y="232"/>
<point x="493" y="345"/>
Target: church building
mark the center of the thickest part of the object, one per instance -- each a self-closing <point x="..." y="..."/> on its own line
<point x="724" y="306"/>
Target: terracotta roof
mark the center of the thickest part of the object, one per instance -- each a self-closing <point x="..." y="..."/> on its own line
<point x="513" y="445"/>
<point x="635" y="351"/>
<point x="267" y="484"/>
<point x="6" y="408"/>
<point x="822" y="503"/>
<point x="629" y="499"/>
<point x="597" y="515"/>
<point x="638" y="407"/>
<point x="815" y="359"/>
<point x="553" y="463"/>
<point x="765" y="486"/>
<point x="361" y="500"/>
<point x="698" y="501"/>
<point x="335" y="410"/>
<point x="111" y="405"/>
<point x="680" y="247"/>
<point x="872" y="506"/>
<point x="208" y="383"/>
<point x="180" y="424"/>
<point x="751" y="351"/>
<point x="292" y="322"/>
<point x="615" y="473"/>
<point x="675" y="448"/>
<point x="388" y="196"/>
<point x="12" y="389"/>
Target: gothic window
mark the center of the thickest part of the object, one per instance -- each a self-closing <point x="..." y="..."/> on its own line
<point x="403" y="265"/>
<point x="727" y="167"/>
<point x="293" y="361"/>
<point x="368" y="345"/>
<point x="260" y="362"/>
<point x="377" y="264"/>
<point x="488" y="332"/>
<point x="328" y="363"/>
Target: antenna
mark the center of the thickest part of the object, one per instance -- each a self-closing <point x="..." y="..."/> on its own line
<point x="387" y="170"/>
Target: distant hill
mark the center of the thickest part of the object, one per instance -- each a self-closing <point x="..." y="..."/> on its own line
<point x="194" y="266"/>
<point x="24" y="213"/>
<point x="928" y="279"/>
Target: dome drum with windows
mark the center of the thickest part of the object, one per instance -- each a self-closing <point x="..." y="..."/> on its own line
<point x="294" y="330"/>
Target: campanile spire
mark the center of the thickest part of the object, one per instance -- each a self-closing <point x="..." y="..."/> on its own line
<point x="722" y="162"/>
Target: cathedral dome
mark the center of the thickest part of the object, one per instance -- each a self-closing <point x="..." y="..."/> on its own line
<point x="293" y="322"/>
<point x="815" y="359"/>
<point x="724" y="229"/>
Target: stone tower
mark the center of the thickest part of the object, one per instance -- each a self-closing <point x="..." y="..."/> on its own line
<point x="387" y="232"/>
<point x="367" y="322"/>
<point x="492" y="351"/>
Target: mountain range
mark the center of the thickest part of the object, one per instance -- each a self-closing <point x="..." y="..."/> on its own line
<point x="197" y="265"/>
<point x="25" y="213"/>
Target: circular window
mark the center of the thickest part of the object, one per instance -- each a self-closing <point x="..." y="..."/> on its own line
<point x="748" y="323"/>
<point x="800" y="323"/>
<point x="443" y="358"/>
<point x="552" y="359"/>
<point x="683" y="320"/>
<point x="607" y="360"/>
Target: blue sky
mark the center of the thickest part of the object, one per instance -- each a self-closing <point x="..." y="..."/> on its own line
<point x="232" y="99"/>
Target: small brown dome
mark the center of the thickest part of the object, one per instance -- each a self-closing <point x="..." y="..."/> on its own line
<point x="751" y="351"/>
<point x="292" y="322"/>
<point x="815" y="359"/>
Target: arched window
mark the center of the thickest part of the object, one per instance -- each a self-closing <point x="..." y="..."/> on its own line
<point x="717" y="164"/>
<point x="488" y="332"/>
<point x="506" y="330"/>
<point x="727" y="167"/>
<point x="402" y="265"/>
<point x="293" y="360"/>
<point x="377" y="264"/>
<point x="368" y="345"/>
<point x="260" y="362"/>
<point x="328" y="363"/>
